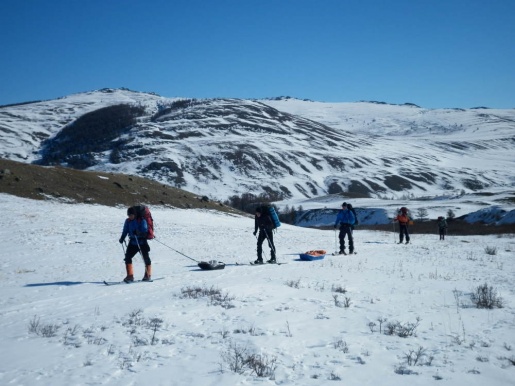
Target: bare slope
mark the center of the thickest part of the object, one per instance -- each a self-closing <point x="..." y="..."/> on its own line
<point x="39" y="183"/>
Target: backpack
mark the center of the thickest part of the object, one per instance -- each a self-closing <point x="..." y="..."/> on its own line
<point x="143" y="211"/>
<point x="270" y="211"/>
<point x="405" y="212"/>
<point x="350" y="207"/>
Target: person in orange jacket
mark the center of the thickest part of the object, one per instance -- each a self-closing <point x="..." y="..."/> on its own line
<point x="403" y="219"/>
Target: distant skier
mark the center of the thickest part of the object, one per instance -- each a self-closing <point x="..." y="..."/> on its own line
<point x="345" y="219"/>
<point x="264" y="223"/>
<point x="442" y="227"/>
<point x="403" y="218"/>
<point x="136" y="229"/>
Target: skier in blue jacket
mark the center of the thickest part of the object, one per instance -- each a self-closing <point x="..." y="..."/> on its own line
<point x="345" y="219"/>
<point x="136" y="229"/>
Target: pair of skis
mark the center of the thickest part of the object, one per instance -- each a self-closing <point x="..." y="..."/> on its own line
<point x="131" y="282"/>
<point x="257" y="264"/>
<point x="344" y="253"/>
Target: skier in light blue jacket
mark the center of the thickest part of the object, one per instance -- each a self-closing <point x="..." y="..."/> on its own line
<point x="345" y="219"/>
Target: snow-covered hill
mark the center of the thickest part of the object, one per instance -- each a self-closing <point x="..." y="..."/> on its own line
<point x="299" y="149"/>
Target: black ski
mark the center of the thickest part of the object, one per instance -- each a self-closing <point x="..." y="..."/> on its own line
<point x="344" y="253"/>
<point x="132" y="282"/>
<point x="265" y="263"/>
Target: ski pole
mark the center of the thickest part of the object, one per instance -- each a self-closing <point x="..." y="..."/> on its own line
<point x="139" y="248"/>
<point x="180" y="253"/>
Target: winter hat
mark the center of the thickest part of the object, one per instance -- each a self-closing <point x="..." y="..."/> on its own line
<point x="131" y="211"/>
<point x="344" y="204"/>
<point x="258" y="209"/>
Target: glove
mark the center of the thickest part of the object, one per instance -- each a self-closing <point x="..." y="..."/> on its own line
<point x="254" y="233"/>
<point x="121" y="240"/>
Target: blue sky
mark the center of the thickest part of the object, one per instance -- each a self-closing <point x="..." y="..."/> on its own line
<point x="437" y="54"/>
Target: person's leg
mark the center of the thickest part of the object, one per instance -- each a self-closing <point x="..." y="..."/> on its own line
<point x="270" y="237"/>
<point x="261" y="238"/>
<point x="145" y="249"/>
<point x="351" y="241"/>
<point x="129" y="254"/>
<point x="342" y="240"/>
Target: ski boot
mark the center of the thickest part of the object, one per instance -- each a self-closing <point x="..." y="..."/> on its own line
<point x="258" y="261"/>
<point x="130" y="273"/>
<point x="148" y="273"/>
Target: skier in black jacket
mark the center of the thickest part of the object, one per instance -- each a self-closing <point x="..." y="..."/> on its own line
<point x="263" y="222"/>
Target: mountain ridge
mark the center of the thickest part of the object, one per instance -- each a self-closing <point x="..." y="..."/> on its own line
<point x="283" y="147"/>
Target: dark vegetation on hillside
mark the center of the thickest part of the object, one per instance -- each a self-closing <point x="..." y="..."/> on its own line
<point x="94" y="132"/>
<point x="248" y="202"/>
<point x="457" y="227"/>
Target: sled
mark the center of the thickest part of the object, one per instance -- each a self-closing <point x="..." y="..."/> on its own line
<point x="313" y="255"/>
<point x="211" y="265"/>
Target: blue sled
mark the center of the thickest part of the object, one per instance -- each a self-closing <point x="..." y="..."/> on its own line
<point x="312" y="255"/>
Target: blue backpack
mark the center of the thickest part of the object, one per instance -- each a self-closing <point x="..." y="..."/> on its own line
<point x="270" y="211"/>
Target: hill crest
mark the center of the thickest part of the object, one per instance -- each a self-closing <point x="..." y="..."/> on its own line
<point x="285" y="147"/>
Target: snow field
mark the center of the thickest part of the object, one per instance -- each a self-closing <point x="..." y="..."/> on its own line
<point x="57" y="256"/>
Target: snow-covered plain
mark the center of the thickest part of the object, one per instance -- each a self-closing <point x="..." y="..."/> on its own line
<point x="308" y="323"/>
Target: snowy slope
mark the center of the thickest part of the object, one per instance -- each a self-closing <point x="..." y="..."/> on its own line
<point x="300" y="149"/>
<point x="290" y="317"/>
<point x="23" y="127"/>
